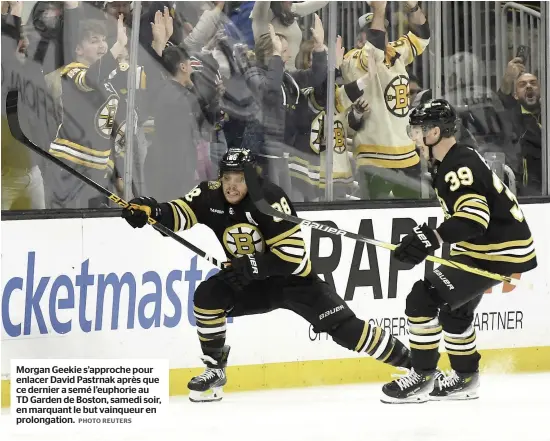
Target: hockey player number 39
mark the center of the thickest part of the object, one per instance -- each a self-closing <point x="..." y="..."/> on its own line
<point x="283" y="207"/>
<point x="515" y="210"/>
<point x="464" y="176"/>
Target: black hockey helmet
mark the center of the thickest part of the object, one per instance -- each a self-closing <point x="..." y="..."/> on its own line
<point x="435" y="113"/>
<point x="235" y="159"/>
<point x="430" y="114"/>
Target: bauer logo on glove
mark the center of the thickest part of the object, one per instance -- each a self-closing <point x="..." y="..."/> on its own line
<point x="253" y="264"/>
<point x="422" y="237"/>
<point x="248" y="267"/>
<point x="416" y="246"/>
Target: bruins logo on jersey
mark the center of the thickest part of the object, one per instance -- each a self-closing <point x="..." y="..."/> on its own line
<point x="396" y="96"/>
<point x="214" y="185"/>
<point x="241" y="239"/>
<point x="339" y="137"/>
<point x="317" y="135"/>
<point x="120" y="138"/>
<point x="105" y="116"/>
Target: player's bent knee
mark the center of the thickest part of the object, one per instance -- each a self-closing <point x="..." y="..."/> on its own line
<point x="210" y="294"/>
<point x="457" y="321"/>
<point x="423" y="300"/>
<point x="346" y="333"/>
<point x="326" y="309"/>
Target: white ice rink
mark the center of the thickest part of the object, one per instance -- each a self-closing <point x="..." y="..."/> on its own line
<point x="511" y="408"/>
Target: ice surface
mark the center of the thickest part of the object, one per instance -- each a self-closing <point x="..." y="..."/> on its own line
<point x="511" y="407"/>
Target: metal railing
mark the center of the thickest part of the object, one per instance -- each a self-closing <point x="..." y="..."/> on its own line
<point x="526" y="24"/>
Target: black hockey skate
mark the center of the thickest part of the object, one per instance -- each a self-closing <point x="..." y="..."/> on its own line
<point x="456" y="386"/>
<point x="413" y="387"/>
<point x="208" y="386"/>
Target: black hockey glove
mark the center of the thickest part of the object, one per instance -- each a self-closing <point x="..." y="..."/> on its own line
<point x="249" y="267"/>
<point x="242" y="271"/>
<point x="416" y="246"/>
<point x="139" y="210"/>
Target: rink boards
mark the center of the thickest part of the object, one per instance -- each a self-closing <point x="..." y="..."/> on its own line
<point x="96" y="288"/>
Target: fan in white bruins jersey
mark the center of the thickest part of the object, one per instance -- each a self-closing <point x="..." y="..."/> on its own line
<point x="307" y="161"/>
<point x="269" y="269"/>
<point x="486" y="228"/>
<point x="382" y="142"/>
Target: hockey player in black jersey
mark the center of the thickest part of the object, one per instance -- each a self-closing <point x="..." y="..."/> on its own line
<point x="269" y="268"/>
<point x="486" y="228"/>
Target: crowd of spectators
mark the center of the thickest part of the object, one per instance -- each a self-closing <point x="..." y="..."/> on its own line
<point x="214" y="75"/>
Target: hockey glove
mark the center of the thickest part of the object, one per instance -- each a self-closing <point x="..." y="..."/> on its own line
<point x="249" y="267"/>
<point x="241" y="272"/>
<point x="137" y="213"/>
<point x="416" y="246"/>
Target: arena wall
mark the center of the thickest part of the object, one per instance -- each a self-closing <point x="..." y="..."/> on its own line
<point x="96" y="288"/>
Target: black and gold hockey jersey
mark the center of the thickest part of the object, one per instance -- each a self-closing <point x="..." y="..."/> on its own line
<point x="482" y="217"/>
<point x="89" y="106"/>
<point x="242" y="229"/>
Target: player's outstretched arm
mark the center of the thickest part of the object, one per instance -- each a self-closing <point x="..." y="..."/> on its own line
<point x="179" y="214"/>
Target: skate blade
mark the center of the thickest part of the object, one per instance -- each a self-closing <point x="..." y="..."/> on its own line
<point x="456" y="397"/>
<point x="213" y="394"/>
<point x="419" y="399"/>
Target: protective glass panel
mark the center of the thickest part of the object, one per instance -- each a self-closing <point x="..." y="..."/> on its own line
<point x="491" y="63"/>
<point x="152" y="111"/>
<point x="62" y="63"/>
<point x="385" y="68"/>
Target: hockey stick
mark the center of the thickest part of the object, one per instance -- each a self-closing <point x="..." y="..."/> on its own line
<point x="255" y="191"/>
<point x="17" y="133"/>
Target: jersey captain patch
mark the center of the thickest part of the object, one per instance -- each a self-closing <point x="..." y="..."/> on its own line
<point x="241" y="239"/>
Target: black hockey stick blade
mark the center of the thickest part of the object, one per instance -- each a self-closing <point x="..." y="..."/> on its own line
<point x="17" y="133"/>
<point x="256" y="194"/>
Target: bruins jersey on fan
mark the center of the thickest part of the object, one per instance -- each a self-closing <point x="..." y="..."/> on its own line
<point x="89" y="106"/>
<point x="119" y="80"/>
<point x="241" y="228"/>
<point x="482" y="217"/>
<point x="307" y="161"/>
<point x="383" y="139"/>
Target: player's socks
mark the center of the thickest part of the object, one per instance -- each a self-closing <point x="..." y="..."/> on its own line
<point x="383" y="346"/>
<point x="360" y="336"/>
<point x="211" y="327"/>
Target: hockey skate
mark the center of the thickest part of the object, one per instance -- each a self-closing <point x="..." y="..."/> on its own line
<point x="208" y="386"/>
<point x="456" y="386"/>
<point x="412" y="387"/>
